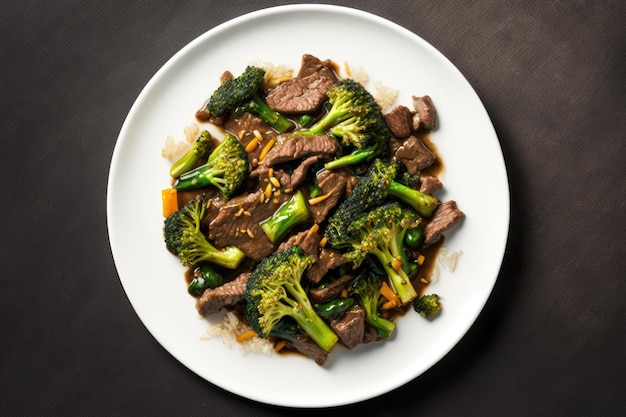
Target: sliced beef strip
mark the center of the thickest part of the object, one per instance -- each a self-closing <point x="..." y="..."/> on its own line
<point x="430" y="184"/>
<point x="331" y="291"/>
<point x="299" y="175"/>
<point x="334" y="184"/>
<point x="300" y="95"/>
<point x="308" y="240"/>
<point x="328" y="259"/>
<point x="370" y="334"/>
<point x="313" y="65"/>
<point x="415" y="155"/>
<point x="445" y="217"/>
<point x="226" y="228"/>
<point x="350" y="327"/>
<point x="424" y="116"/>
<point x="308" y="347"/>
<point x="399" y="121"/>
<point x="228" y="294"/>
<point x="291" y="148"/>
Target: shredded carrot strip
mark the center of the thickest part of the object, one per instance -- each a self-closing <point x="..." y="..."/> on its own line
<point x="388" y="305"/>
<point x="420" y="259"/>
<point x="323" y="242"/>
<point x="266" y="149"/>
<point x="317" y="200"/>
<point x="252" y="145"/>
<point x="389" y="294"/>
<point x="279" y="345"/>
<point x="245" y="336"/>
<point x="314" y="228"/>
<point x="344" y="293"/>
<point x="268" y="190"/>
<point x="169" y="198"/>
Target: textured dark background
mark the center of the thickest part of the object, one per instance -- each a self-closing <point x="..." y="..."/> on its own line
<point x="552" y="337"/>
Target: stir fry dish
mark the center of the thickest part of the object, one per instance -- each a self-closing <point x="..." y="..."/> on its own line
<point x="313" y="215"/>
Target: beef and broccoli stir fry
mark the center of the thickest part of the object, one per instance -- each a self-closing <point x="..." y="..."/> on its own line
<point x="314" y="214"/>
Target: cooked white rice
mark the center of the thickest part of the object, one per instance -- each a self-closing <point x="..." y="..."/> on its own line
<point x="446" y="260"/>
<point x="358" y="74"/>
<point x="384" y="95"/>
<point x="274" y="73"/>
<point x="230" y="328"/>
<point x="173" y="149"/>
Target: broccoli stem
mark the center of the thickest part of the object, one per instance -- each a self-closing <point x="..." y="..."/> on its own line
<point x="423" y="203"/>
<point x="301" y="310"/>
<point x="356" y="157"/>
<point x="201" y="148"/>
<point x="290" y="214"/>
<point x="258" y="106"/>
<point x="202" y="251"/>
<point x="400" y="281"/>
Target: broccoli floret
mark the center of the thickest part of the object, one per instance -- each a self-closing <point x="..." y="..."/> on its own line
<point x="380" y="232"/>
<point x="242" y="95"/>
<point x="366" y="288"/>
<point x="427" y="305"/>
<point x="234" y="92"/>
<point x="184" y="238"/>
<point x="356" y="119"/>
<point x="273" y="292"/>
<point x="292" y="213"/>
<point x="372" y="190"/>
<point x="369" y="192"/>
<point x="201" y="148"/>
<point x="226" y="169"/>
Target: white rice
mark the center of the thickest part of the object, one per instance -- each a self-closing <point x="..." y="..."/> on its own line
<point x="173" y="149"/>
<point x="384" y="95"/>
<point x="230" y="328"/>
<point x="446" y="260"/>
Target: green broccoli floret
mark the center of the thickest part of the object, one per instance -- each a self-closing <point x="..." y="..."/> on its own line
<point x="292" y="213"/>
<point x="373" y="189"/>
<point x="380" y="232"/>
<point x="427" y="305"/>
<point x="201" y="148"/>
<point x="234" y="92"/>
<point x="226" y="169"/>
<point x="356" y="119"/>
<point x="366" y="288"/>
<point x="273" y="292"/>
<point x="241" y="95"/>
<point x="369" y="192"/>
<point x="184" y="238"/>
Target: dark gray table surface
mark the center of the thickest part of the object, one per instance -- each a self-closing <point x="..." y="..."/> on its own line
<point x="551" y="340"/>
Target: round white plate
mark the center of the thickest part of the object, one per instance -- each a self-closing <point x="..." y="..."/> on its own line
<point x="465" y="138"/>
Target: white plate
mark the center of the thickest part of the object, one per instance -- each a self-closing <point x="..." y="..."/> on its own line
<point x="474" y="176"/>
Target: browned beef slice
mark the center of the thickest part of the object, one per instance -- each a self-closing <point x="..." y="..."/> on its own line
<point x="228" y="294"/>
<point x="300" y="173"/>
<point x="328" y="259"/>
<point x="415" y="155"/>
<point x="350" y="327"/>
<point x="430" y="184"/>
<point x="371" y="334"/>
<point x="307" y="346"/>
<point x="308" y="240"/>
<point x="425" y="115"/>
<point x="333" y="183"/>
<point x="291" y="148"/>
<point x="300" y="95"/>
<point x="399" y="121"/>
<point x="313" y="65"/>
<point x="330" y="291"/>
<point x="242" y="214"/>
<point x="445" y="217"/>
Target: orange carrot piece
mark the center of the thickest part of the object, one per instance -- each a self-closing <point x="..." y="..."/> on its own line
<point x="389" y="294"/>
<point x="245" y="336"/>
<point x="169" y="199"/>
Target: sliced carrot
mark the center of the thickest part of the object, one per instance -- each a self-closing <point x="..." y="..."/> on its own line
<point x="388" y="305"/>
<point x="266" y="149"/>
<point x="396" y="263"/>
<point x="251" y="146"/>
<point x="390" y="294"/>
<point x="279" y="345"/>
<point x="169" y="199"/>
<point x="245" y="336"/>
<point x="316" y="200"/>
